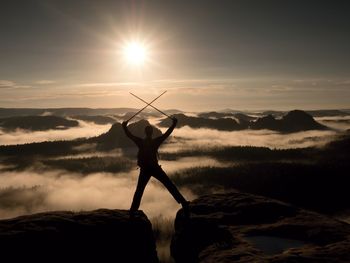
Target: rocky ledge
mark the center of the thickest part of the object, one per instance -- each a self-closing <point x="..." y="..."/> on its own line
<point x="95" y="236"/>
<point x="240" y="227"/>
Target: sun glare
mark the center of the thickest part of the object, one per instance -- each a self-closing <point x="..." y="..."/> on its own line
<point x="135" y="53"/>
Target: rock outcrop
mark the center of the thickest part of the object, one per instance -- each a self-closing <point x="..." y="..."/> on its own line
<point x="96" y="236"/>
<point x="240" y="227"/>
<point x="293" y="121"/>
<point x="116" y="137"/>
<point x="221" y="124"/>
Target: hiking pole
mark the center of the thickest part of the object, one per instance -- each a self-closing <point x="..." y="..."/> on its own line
<point x="148" y="104"/>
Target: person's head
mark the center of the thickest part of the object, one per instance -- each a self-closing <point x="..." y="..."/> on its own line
<point x="149" y="131"/>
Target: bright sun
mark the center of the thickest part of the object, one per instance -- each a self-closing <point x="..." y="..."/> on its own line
<point x="135" y="53"/>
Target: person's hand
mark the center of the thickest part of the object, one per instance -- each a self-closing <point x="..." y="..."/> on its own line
<point x="174" y="120"/>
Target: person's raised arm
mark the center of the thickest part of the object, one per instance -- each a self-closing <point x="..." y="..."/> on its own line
<point x="168" y="132"/>
<point x="128" y="133"/>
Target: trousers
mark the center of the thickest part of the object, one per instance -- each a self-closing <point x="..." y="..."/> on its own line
<point x="158" y="173"/>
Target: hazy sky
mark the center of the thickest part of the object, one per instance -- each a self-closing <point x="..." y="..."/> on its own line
<point x="238" y="54"/>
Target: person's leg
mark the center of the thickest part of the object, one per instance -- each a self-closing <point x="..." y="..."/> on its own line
<point x="165" y="180"/>
<point x="141" y="184"/>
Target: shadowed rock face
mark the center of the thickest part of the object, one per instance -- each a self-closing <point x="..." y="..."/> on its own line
<point x="116" y="137"/>
<point x="222" y="124"/>
<point x="297" y="120"/>
<point x="240" y="227"/>
<point x="293" y="121"/>
<point x="95" y="236"/>
<point x="266" y="122"/>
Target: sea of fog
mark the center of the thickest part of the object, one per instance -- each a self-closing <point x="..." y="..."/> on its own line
<point x="36" y="189"/>
<point x="189" y="137"/>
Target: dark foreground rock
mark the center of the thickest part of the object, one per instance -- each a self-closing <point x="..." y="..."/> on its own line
<point x="95" y="236"/>
<point x="239" y="227"/>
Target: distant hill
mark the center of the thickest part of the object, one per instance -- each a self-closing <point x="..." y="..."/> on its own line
<point x="267" y="122"/>
<point x="97" y="119"/>
<point x="214" y="114"/>
<point x="217" y="115"/>
<point x="116" y="137"/>
<point x="9" y="112"/>
<point x="113" y="138"/>
<point x="64" y="112"/>
<point x="223" y="124"/>
<point x="228" y="110"/>
<point x="293" y="121"/>
<point x="313" y="113"/>
<point x="327" y="113"/>
<point x="36" y="123"/>
<point x="273" y="113"/>
<point x="140" y="116"/>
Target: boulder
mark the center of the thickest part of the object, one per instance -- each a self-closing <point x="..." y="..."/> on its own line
<point x="241" y="227"/>
<point x="94" y="236"/>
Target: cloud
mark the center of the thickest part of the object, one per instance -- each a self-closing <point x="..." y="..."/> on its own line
<point x="186" y="94"/>
<point x="6" y="84"/>
<point x="9" y="84"/>
<point x="45" y="82"/>
<point x="33" y="191"/>
<point x="36" y="190"/>
<point x="189" y="162"/>
<point x="84" y="129"/>
<point x="187" y="138"/>
<point x="102" y="84"/>
<point x="341" y="123"/>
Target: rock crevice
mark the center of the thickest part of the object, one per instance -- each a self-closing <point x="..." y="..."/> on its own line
<point x="241" y="227"/>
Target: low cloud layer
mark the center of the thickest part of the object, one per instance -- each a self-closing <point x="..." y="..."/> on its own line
<point x="338" y="122"/>
<point x="35" y="190"/>
<point x="84" y="129"/>
<point x="195" y="137"/>
<point x="32" y="191"/>
<point x="188" y="138"/>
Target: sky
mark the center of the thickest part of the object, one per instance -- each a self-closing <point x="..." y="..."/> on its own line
<point x="208" y="55"/>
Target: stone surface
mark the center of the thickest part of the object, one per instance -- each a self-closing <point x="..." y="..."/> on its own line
<point x="95" y="236"/>
<point x="240" y="227"/>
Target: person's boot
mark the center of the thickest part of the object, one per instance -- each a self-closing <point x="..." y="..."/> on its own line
<point x="132" y="213"/>
<point x="186" y="209"/>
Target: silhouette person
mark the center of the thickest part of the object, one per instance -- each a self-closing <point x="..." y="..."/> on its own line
<point x="147" y="160"/>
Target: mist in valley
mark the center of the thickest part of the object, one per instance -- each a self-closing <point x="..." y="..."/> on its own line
<point x="85" y="129"/>
<point x="91" y="178"/>
<point x="32" y="191"/>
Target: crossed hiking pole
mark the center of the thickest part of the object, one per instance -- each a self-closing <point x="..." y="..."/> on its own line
<point x="148" y="104"/>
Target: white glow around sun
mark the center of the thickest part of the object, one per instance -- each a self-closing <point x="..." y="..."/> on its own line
<point x="135" y="53"/>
